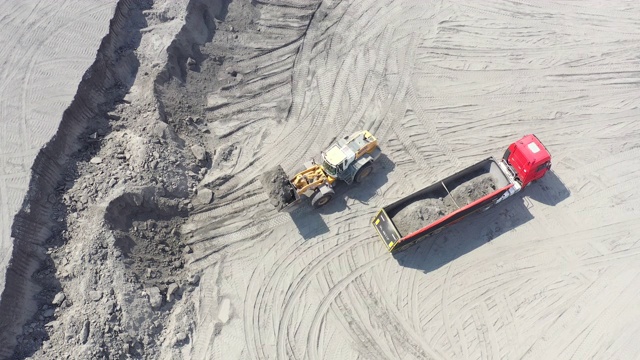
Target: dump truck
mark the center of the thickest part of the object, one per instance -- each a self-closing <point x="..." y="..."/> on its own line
<point x="478" y="187"/>
<point x="349" y="160"/>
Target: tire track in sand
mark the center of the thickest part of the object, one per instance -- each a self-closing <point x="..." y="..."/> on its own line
<point x="330" y="108"/>
<point x="301" y="281"/>
<point x="299" y="284"/>
<point x="331" y="86"/>
<point x="352" y="313"/>
<point x="394" y="321"/>
<point x="251" y="316"/>
<point x="316" y="122"/>
<point x="258" y="302"/>
<point x="576" y="315"/>
<point x="313" y="337"/>
<point x="31" y="54"/>
<point x="278" y="269"/>
<point x="446" y="320"/>
<point x="294" y="291"/>
<point x="430" y="127"/>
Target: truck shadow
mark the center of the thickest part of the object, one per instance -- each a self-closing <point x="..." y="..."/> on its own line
<point x="480" y="228"/>
<point x="309" y="221"/>
<point x="549" y="190"/>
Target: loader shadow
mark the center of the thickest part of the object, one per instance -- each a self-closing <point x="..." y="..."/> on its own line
<point x="362" y="192"/>
<point x="438" y="250"/>
<point x="309" y="221"/>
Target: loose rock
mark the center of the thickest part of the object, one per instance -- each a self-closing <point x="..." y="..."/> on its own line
<point x="59" y="298"/>
<point x="84" y="335"/>
<point x="205" y="196"/>
<point x="225" y="310"/>
<point x="180" y="337"/>
<point x="159" y="130"/>
<point x="155" y="299"/>
<point x="195" y="279"/>
<point x="171" y="290"/>
<point x="199" y="152"/>
<point x="95" y="295"/>
<point x="277" y="185"/>
<point x="191" y="63"/>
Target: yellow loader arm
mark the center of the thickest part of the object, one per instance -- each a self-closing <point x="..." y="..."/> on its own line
<point x="309" y="179"/>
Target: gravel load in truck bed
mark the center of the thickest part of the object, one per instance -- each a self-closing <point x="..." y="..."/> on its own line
<point x="423" y="212"/>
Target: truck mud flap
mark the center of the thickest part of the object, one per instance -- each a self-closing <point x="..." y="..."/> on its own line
<point x="386" y="229"/>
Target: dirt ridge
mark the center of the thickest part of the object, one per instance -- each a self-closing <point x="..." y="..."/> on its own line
<point x="101" y="84"/>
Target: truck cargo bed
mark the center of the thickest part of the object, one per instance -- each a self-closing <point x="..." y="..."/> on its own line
<point x="432" y="208"/>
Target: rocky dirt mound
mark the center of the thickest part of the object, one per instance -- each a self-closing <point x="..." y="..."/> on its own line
<point x="146" y="231"/>
<point x="278" y="187"/>
<point x="113" y="271"/>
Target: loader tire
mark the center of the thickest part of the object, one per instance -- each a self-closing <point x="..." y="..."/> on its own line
<point x="363" y="172"/>
<point x="318" y="199"/>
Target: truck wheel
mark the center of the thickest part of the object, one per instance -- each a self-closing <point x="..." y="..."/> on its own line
<point x="318" y="199"/>
<point x="363" y="172"/>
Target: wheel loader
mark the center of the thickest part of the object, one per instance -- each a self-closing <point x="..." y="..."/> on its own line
<point x="350" y="160"/>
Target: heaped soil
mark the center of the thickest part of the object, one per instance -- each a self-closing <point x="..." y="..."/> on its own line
<point x="278" y="187"/>
<point x="423" y="212"/>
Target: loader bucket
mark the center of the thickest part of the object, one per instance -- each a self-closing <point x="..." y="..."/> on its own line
<point x="282" y="194"/>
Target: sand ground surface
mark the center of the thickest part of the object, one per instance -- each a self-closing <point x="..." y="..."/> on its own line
<point x="45" y="48"/>
<point x="146" y="233"/>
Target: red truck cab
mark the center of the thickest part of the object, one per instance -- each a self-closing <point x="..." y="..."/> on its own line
<point x="528" y="159"/>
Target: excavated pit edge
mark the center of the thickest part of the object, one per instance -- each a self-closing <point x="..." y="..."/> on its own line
<point x="32" y="225"/>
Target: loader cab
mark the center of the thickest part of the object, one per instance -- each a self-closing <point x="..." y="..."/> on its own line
<point x="528" y="159"/>
<point x="337" y="159"/>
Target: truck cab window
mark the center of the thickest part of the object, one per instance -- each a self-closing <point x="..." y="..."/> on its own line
<point x="506" y="154"/>
<point x="543" y="166"/>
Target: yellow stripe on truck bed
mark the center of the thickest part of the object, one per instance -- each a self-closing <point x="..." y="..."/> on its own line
<point x="385" y="229"/>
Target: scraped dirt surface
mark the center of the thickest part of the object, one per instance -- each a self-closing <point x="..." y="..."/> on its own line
<point x="420" y="213"/>
<point x="155" y="238"/>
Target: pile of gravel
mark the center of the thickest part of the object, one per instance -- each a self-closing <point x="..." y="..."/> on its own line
<point x="423" y="212"/>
